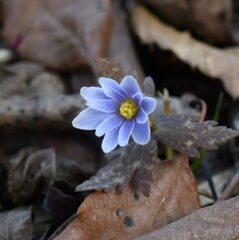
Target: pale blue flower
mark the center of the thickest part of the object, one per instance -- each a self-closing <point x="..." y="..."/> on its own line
<point x="117" y="111"/>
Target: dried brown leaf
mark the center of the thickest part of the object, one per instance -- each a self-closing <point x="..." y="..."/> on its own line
<point x="27" y="170"/>
<point x="31" y="171"/>
<point x="47" y="37"/>
<point x="217" y="222"/>
<point x="116" y="216"/>
<point x="184" y="134"/>
<point x="31" y="96"/>
<point x="68" y="34"/>
<point x="201" y="17"/>
<point x="212" y="61"/>
<point x="121" y="47"/>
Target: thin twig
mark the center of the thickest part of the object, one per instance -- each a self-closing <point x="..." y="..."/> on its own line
<point x="63" y="226"/>
<point x="231" y="187"/>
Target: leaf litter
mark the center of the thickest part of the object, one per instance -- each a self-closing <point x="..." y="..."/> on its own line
<point x="219" y="221"/>
<point x="148" y="193"/>
<point x="111" y="215"/>
<point x="214" y="62"/>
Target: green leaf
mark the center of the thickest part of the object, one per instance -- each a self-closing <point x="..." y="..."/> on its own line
<point x="184" y="134"/>
<point x="133" y="161"/>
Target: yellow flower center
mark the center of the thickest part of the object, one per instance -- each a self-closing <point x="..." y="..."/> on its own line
<point x="128" y="109"/>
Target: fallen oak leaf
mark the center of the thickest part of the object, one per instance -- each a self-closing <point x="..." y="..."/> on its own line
<point x="219" y="221"/>
<point x="134" y="159"/>
<point x="184" y="134"/>
<point x="116" y="216"/>
<point x="212" y="61"/>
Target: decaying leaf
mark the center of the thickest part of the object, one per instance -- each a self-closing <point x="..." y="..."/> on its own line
<point x="184" y="134"/>
<point x="41" y="32"/>
<point x="212" y="61"/>
<point x="217" y="222"/>
<point x="121" y="47"/>
<point x="31" y="96"/>
<point x="201" y="17"/>
<point x="27" y="170"/>
<point x="32" y="170"/>
<point x="68" y="34"/>
<point x="38" y="111"/>
<point x="16" y="224"/>
<point x="116" y="216"/>
<point x="124" y="163"/>
<point x="15" y="78"/>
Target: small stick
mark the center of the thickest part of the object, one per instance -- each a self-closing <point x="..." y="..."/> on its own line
<point x="231" y="187"/>
<point x="63" y="226"/>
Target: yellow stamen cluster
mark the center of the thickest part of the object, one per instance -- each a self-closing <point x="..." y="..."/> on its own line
<point x="128" y="109"/>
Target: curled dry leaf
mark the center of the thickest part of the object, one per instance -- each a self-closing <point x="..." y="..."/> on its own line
<point x="28" y="79"/>
<point x="116" y="216"/>
<point x="31" y="171"/>
<point x="15" y="78"/>
<point x="201" y="17"/>
<point x="27" y="170"/>
<point x="47" y="31"/>
<point x="184" y="134"/>
<point x="61" y="35"/>
<point x="31" y="96"/>
<point x="217" y="222"/>
<point x="16" y="224"/>
<point x="212" y="61"/>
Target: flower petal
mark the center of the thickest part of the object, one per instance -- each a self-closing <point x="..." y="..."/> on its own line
<point x="130" y="85"/>
<point x="142" y="116"/>
<point x="107" y="106"/>
<point x="89" y="119"/>
<point x="141" y="133"/>
<point x="108" y="124"/>
<point x="92" y="93"/>
<point x="125" y="132"/>
<point x="110" y="140"/>
<point x="112" y="89"/>
<point x="137" y="97"/>
<point x="149" y="104"/>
